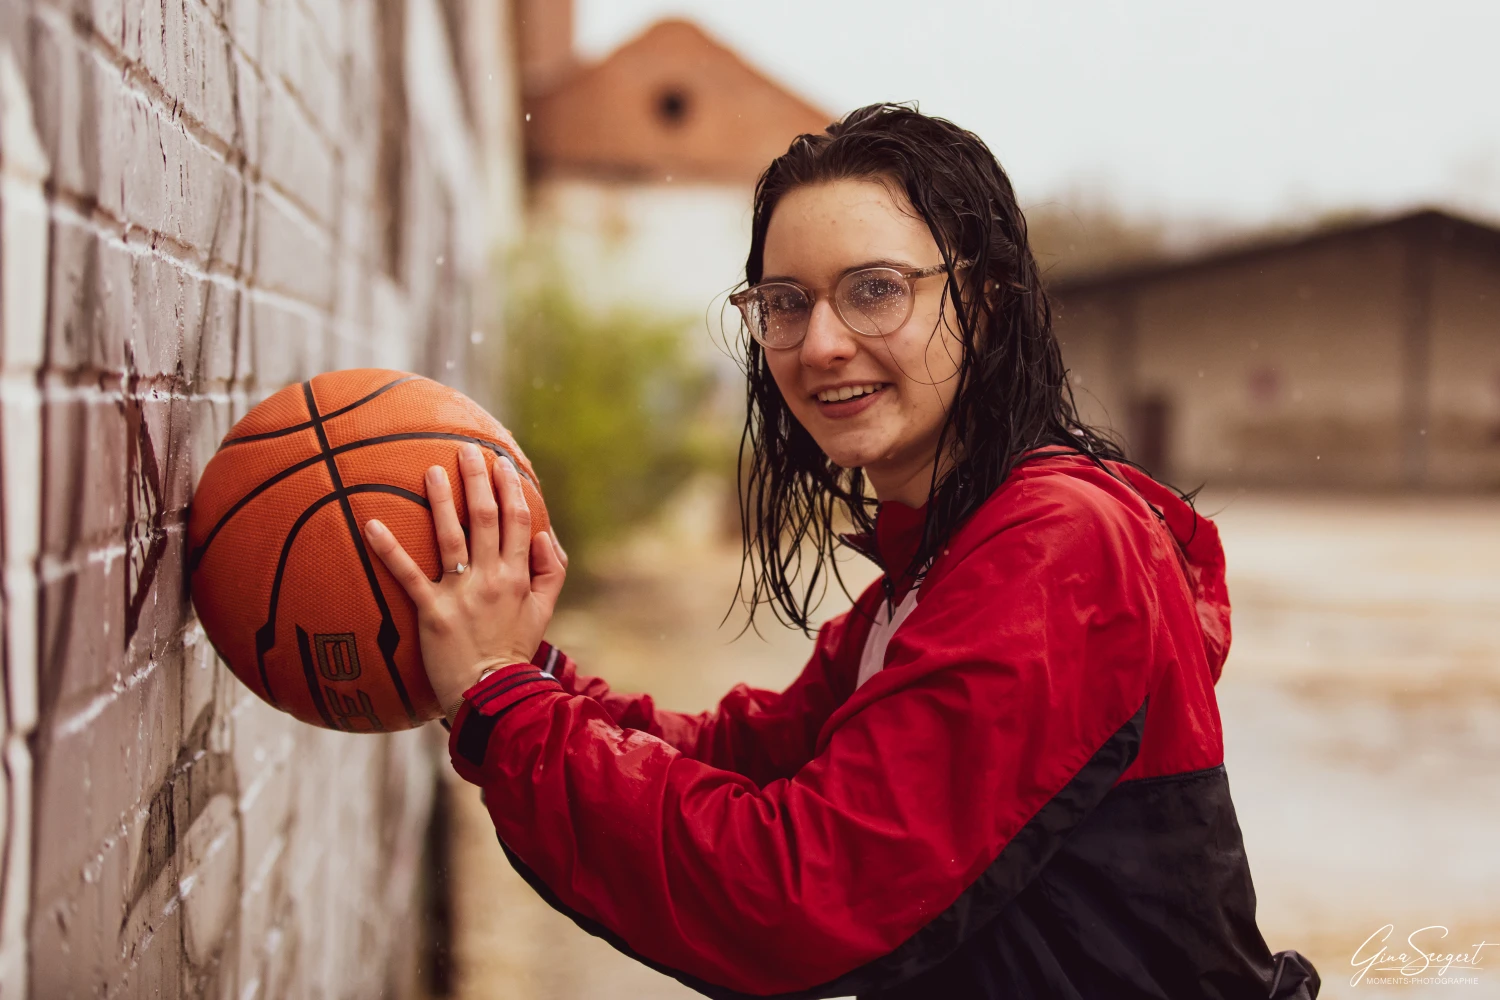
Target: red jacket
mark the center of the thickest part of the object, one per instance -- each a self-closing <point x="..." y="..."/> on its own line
<point x="1027" y="798"/>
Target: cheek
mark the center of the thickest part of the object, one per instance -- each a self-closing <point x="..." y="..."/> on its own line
<point x="784" y="372"/>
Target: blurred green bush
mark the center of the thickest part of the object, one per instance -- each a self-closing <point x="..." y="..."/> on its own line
<point x="612" y="410"/>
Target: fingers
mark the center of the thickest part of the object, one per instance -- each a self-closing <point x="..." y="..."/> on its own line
<point x="401" y="565"/>
<point x="547" y="571"/>
<point x="514" y="514"/>
<point x="452" y="549"/>
<point x="484" y="515"/>
<point x="562" y="556"/>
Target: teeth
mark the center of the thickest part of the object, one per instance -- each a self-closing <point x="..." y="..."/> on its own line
<point x="847" y="392"/>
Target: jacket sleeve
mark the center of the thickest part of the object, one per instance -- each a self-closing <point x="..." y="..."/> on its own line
<point x="1011" y="702"/>
<point x="760" y="734"/>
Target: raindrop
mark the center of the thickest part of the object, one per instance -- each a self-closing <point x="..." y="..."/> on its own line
<point x="528" y="116"/>
<point x="440" y="260"/>
<point x="448" y="365"/>
<point x="475" y="337"/>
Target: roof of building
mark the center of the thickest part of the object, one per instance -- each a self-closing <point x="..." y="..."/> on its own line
<point x="671" y="104"/>
<point x="1431" y="225"/>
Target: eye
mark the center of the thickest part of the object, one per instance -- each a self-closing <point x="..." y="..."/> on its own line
<point x="782" y="301"/>
<point x="873" y="290"/>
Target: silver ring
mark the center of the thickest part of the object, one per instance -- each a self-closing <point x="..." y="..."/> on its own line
<point x="460" y="569"/>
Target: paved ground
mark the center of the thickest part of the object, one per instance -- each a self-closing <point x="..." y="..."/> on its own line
<point x="1361" y="706"/>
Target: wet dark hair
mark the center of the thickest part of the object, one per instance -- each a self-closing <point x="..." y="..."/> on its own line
<point x="1012" y="394"/>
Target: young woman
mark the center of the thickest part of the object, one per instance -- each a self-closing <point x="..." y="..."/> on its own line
<point x="1001" y="774"/>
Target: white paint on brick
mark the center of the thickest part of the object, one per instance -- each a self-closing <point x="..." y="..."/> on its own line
<point x="23" y="295"/>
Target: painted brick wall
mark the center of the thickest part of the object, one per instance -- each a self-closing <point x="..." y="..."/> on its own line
<point x="200" y="201"/>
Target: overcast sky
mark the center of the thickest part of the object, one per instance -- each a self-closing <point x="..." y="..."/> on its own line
<point x="1246" y="112"/>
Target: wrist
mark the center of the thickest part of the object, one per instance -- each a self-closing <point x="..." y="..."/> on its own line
<point x="454" y="701"/>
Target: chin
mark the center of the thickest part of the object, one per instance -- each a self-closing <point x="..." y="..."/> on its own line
<point x="847" y="457"/>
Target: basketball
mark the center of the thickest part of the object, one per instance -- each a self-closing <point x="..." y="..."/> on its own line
<point x="282" y="581"/>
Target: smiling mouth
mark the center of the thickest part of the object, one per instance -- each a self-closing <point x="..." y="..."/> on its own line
<point x="845" y="393"/>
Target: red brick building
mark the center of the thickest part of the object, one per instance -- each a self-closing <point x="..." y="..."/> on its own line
<point x="641" y="166"/>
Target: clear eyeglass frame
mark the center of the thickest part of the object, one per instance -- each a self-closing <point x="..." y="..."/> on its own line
<point x="751" y="299"/>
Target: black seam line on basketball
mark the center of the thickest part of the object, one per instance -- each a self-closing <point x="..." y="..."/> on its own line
<point x="307" y="463"/>
<point x="387" y="639"/>
<point x="307" y="425"/>
<point x="304" y="649"/>
<point x="265" y="636"/>
<point x="486" y="697"/>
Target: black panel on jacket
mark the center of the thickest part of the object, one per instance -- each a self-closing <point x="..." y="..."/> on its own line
<point x="1150" y="898"/>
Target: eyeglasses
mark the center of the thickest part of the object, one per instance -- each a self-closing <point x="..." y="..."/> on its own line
<point x="873" y="301"/>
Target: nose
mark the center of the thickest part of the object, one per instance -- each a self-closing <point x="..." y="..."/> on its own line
<point x="829" y="340"/>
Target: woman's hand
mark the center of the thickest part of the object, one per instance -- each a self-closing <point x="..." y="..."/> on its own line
<point x="487" y="609"/>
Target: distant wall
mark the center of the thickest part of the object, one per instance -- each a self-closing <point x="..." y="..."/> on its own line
<point x="201" y="201"/>
<point x="663" y="247"/>
<point x="1367" y="361"/>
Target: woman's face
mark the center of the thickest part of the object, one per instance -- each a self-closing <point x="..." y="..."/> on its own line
<point x="818" y="233"/>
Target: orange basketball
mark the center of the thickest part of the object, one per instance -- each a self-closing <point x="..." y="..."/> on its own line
<point x="289" y="595"/>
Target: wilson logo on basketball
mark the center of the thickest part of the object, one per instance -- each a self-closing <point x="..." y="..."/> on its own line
<point x="281" y="578"/>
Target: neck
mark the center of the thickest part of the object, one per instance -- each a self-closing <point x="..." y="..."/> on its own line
<point x="907" y="486"/>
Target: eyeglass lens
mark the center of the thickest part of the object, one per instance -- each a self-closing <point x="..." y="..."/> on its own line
<point x="875" y="302"/>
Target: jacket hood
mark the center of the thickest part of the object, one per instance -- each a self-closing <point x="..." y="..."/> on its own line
<point x="898" y="532"/>
<point x="1202" y="557"/>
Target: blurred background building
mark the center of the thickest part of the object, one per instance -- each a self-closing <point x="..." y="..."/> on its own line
<point x="641" y="165"/>
<point x="1356" y="356"/>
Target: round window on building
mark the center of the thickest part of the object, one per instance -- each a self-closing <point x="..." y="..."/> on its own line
<point x="672" y="106"/>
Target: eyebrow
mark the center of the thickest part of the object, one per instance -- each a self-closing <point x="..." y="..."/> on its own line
<point x="878" y="262"/>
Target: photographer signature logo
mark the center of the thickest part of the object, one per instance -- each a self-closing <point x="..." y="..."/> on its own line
<point x="1425" y="957"/>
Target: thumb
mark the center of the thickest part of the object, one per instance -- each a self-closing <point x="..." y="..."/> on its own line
<point x="547" y="570"/>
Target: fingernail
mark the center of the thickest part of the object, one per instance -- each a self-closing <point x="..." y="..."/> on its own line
<point x="469" y="452"/>
<point x="373" y="527"/>
<point x="512" y="463"/>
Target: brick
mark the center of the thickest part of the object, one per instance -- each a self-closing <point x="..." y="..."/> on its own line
<point x="207" y="354"/>
<point x="287" y="339"/>
<point x="95" y="765"/>
<point x="292" y="255"/>
<point x="307" y="66"/>
<point x="210" y="84"/>
<point x="251" y="95"/>
<point x="295" y="157"/>
<point x="82" y="630"/>
<point x="92" y="309"/>
<point x="84" y="465"/>
<point x="65" y="112"/>
<point x="242" y="19"/>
